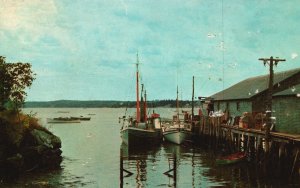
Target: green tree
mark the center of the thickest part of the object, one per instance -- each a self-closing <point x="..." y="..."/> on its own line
<point x="5" y="83"/>
<point x="14" y="79"/>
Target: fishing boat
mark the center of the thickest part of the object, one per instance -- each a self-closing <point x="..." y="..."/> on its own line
<point x="176" y="131"/>
<point x="231" y="159"/>
<point x="62" y="120"/>
<point x="82" y="118"/>
<point x="175" y="134"/>
<point x="141" y="130"/>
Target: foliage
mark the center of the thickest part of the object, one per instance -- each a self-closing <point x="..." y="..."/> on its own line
<point x="5" y="83"/>
<point x="22" y="122"/>
<point x="14" y="79"/>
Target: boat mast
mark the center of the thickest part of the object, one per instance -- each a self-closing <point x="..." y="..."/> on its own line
<point x="137" y="90"/>
<point x="142" y="107"/>
<point x="177" y="101"/>
<point x="145" y="107"/>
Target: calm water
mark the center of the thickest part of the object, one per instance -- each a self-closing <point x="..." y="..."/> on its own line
<point x="92" y="154"/>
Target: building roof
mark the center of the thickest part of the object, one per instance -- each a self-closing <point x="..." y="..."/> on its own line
<point x="253" y="86"/>
<point x="290" y="91"/>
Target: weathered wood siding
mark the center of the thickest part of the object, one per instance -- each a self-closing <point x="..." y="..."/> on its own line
<point x="236" y="108"/>
<point x="287" y="113"/>
<point x="259" y="103"/>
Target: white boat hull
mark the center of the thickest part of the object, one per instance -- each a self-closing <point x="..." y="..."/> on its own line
<point x="175" y="136"/>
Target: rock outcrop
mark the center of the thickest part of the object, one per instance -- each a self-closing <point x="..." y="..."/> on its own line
<point x="25" y="148"/>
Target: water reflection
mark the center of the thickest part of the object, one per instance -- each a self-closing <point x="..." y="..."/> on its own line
<point x="93" y="156"/>
<point x="172" y="165"/>
<point x="133" y="162"/>
<point x="167" y="165"/>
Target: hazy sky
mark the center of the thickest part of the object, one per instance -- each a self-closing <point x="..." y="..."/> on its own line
<point x="86" y="49"/>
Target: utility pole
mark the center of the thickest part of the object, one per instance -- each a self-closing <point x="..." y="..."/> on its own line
<point x="193" y="99"/>
<point x="271" y="62"/>
<point x="193" y="125"/>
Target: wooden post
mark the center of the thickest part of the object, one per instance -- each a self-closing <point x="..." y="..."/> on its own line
<point x="239" y="142"/>
<point x="271" y="62"/>
<point x="121" y="168"/>
<point x="295" y="161"/>
<point x="258" y="149"/>
<point x="175" y="169"/>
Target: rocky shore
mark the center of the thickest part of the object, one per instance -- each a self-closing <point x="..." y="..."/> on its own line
<point x="26" y="146"/>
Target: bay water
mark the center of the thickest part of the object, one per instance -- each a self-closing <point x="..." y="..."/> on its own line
<point x="93" y="154"/>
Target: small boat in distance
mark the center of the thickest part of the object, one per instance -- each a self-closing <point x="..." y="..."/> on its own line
<point x="62" y="120"/>
<point x="82" y="118"/>
<point x="231" y="159"/>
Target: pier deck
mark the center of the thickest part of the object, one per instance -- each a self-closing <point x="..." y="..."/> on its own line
<point x="276" y="136"/>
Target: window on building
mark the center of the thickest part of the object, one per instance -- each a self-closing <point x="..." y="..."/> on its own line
<point x="227" y="105"/>
<point x="238" y="106"/>
<point x="218" y="105"/>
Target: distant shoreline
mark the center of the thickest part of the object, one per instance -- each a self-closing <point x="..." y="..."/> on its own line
<point x="102" y="104"/>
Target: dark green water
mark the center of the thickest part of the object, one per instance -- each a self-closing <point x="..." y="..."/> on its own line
<point x="92" y="153"/>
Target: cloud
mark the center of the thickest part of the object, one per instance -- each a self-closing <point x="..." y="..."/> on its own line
<point x="96" y="42"/>
<point x="27" y="15"/>
<point x="29" y="21"/>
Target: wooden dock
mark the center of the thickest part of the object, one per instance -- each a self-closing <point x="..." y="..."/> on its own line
<point x="283" y="156"/>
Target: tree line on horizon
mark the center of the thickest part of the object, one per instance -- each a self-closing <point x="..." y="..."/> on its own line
<point x="103" y="104"/>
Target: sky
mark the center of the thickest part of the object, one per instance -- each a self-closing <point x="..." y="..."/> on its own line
<point x="86" y="49"/>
